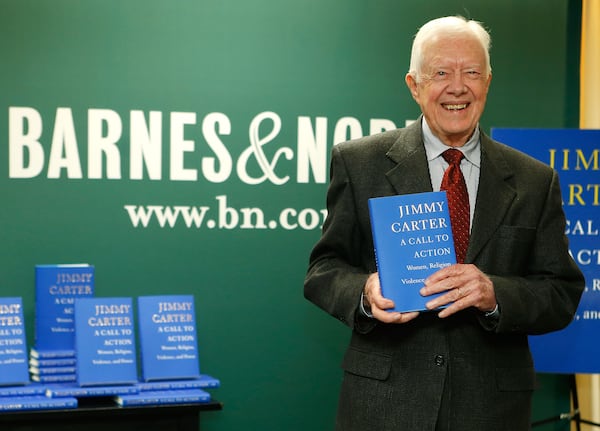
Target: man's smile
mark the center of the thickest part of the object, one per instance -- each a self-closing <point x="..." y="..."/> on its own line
<point x="454" y="107"/>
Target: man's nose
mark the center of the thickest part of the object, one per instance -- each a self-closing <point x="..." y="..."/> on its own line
<point x="457" y="84"/>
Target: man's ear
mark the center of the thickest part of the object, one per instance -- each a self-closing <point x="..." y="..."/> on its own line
<point x="489" y="81"/>
<point x="412" y="85"/>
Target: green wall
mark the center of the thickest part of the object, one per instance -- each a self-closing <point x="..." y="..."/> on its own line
<point x="208" y="70"/>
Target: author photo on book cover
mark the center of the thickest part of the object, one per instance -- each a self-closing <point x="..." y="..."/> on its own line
<point x="463" y="363"/>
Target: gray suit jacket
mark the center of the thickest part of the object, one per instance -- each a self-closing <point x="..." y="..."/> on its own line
<point x="473" y="372"/>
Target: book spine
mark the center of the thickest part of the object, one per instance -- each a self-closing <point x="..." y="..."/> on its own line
<point x="209" y="381"/>
<point x="172" y="385"/>
<point x="47" y="371"/>
<point x="54" y="378"/>
<point x="91" y="391"/>
<point x="38" y="403"/>
<point x="21" y="391"/>
<point x="51" y="354"/>
<point x="49" y="363"/>
<point x="164" y="398"/>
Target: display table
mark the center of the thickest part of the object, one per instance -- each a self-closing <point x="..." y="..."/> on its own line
<point x="103" y="414"/>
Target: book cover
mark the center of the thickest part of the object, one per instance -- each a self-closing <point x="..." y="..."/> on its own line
<point x="105" y="342"/>
<point x="13" y="348"/>
<point x="36" y="402"/>
<point x="190" y="396"/>
<point x="167" y="331"/>
<point x="412" y="237"/>
<point x="73" y="390"/>
<point x="56" y="287"/>
<point x="202" y="382"/>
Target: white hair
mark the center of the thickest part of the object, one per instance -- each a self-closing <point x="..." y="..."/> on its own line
<point x="447" y="27"/>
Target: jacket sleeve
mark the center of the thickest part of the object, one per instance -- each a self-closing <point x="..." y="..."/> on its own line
<point x="545" y="297"/>
<point x="336" y="274"/>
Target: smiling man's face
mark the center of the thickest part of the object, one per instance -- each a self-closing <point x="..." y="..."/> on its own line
<point x="452" y="87"/>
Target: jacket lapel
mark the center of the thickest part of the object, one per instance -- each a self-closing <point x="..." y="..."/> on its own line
<point x="494" y="196"/>
<point x="411" y="173"/>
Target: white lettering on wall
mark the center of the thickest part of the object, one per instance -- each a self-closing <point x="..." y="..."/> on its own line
<point x="64" y="153"/>
<point x="145" y="145"/>
<point x="214" y="125"/>
<point x="180" y="146"/>
<point x="103" y="146"/>
<point x="24" y="133"/>
<point x="194" y="147"/>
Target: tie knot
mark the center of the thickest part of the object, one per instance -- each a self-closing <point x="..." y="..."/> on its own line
<point x="453" y="156"/>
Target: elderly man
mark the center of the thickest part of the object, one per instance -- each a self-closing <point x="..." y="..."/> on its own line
<point x="465" y="365"/>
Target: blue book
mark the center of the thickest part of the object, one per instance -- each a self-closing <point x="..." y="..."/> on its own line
<point x="412" y="237"/>
<point x="37" y="354"/>
<point x="22" y="391"/>
<point x="73" y="390"/>
<point x="191" y="396"/>
<point x="54" y="378"/>
<point x="13" y="348"/>
<point x="48" y="371"/>
<point x="209" y="381"/>
<point x="36" y="402"/>
<point x="105" y="342"/>
<point x="53" y="362"/>
<point x="168" y="343"/>
<point x="202" y="382"/>
<point x="56" y="288"/>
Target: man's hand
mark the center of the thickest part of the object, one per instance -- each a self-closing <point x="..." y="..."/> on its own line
<point x="378" y="304"/>
<point x="465" y="286"/>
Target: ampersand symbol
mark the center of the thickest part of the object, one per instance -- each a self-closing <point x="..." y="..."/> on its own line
<point x="255" y="149"/>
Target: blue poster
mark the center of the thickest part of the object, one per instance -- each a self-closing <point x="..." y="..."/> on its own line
<point x="575" y="154"/>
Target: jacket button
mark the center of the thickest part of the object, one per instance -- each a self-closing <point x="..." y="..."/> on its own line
<point x="439" y="360"/>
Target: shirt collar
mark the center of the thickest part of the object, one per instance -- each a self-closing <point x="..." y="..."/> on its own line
<point x="434" y="147"/>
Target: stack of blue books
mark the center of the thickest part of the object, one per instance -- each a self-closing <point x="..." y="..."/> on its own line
<point x="171" y="391"/>
<point x="169" y="354"/>
<point x="104" y="348"/>
<point x="16" y="390"/>
<point x="52" y="366"/>
<point x="86" y="347"/>
<point x="57" y="287"/>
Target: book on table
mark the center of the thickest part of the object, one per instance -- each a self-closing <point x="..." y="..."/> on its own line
<point x="37" y="402"/>
<point x="22" y="390"/>
<point x="105" y="342"/>
<point x="73" y="390"/>
<point x="204" y="381"/>
<point x="13" y="343"/>
<point x="167" y="333"/>
<point x="184" y="396"/>
<point x="56" y="288"/>
<point x="52" y="362"/>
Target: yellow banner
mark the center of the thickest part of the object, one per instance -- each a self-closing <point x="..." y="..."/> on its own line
<point x="589" y="118"/>
<point x="590" y="65"/>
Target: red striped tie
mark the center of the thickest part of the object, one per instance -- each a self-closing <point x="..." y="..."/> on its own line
<point x="458" y="202"/>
